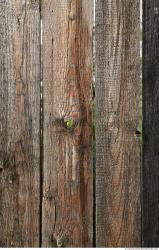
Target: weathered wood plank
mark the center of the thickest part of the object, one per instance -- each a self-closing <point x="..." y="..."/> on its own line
<point x="67" y="75"/>
<point x="150" y="123"/>
<point x="117" y="120"/>
<point x="19" y="123"/>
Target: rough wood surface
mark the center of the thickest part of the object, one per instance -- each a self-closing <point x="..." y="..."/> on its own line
<point x="150" y="123"/>
<point x="117" y="117"/>
<point x="19" y="123"/>
<point x="67" y="77"/>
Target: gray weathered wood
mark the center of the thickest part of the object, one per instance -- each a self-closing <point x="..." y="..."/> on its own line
<point x="67" y="77"/>
<point x="150" y="123"/>
<point x="117" y="117"/>
<point x="19" y="123"/>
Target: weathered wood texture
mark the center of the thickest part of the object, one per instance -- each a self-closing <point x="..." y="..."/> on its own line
<point x="19" y="123"/>
<point x="117" y="120"/>
<point x="150" y="123"/>
<point x="67" y="213"/>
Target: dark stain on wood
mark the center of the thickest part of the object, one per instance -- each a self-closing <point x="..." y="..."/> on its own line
<point x="150" y="124"/>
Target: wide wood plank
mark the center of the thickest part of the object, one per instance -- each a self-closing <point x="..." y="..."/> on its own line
<point x="150" y="123"/>
<point x="67" y="214"/>
<point x="19" y="123"/>
<point x="117" y="120"/>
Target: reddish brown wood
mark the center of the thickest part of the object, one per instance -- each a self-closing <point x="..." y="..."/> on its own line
<point x="67" y="78"/>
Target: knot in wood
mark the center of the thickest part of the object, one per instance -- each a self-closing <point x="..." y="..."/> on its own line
<point x="1" y="165"/>
<point x="72" y="16"/>
<point x="69" y="123"/>
<point x="156" y="12"/>
<point x="59" y="242"/>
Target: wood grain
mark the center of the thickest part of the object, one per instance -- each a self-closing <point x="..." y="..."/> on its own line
<point x="150" y="123"/>
<point x="19" y="123"/>
<point x="118" y="210"/>
<point x="67" y="216"/>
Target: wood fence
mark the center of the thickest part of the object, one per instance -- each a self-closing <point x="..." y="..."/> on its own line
<point x="52" y="193"/>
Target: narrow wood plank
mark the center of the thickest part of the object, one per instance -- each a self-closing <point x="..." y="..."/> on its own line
<point x="67" y="78"/>
<point x="150" y="123"/>
<point x="117" y="120"/>
<point x="19" y="123"/>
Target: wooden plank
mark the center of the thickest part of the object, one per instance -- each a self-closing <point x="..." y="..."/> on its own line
<point x="67" y="78"/>
<point x="19" y="123"/>
<point x="150" y="123"/>
<point x="117" y="120"/>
